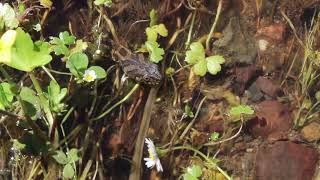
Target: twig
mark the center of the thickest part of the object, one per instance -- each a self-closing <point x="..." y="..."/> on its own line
<point x="214" y="24"/>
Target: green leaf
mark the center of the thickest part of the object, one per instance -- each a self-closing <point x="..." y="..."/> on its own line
<point x="61" y="157"/>
<point x="31" y="102"/>
<point x="18" y="145"/>
<point x="46" y="3"/>
<point x="155" y="53"/>
<point x="6" y="95"/>
<point x="100" y="72"/>
<point x="193" y="173"/>
<point x="213" y="63"/>
<point x="200" y="68"/>
<point x="66" y="38"/>
<point x="25" y="55"/>
<point x="241" y="109"/>
<point x="188" y="112"/>
<point x="317" y="95"/>
<point x="103" y="2"/>
<point x="68" y="171"/>
<point x="152" y="35"/>
<point x="80" y="47"/>
<point x="6" y="42"/>
<point x="55" y="96"/>
<point x="8" y="16"/>
<point x="77" y="63"/>
<point x="153" y="17"/>
<point x="195" y="54"/>
<point x="214" y="136"/>
<point x="73" y="155"/>
<point x="161" y="30"/>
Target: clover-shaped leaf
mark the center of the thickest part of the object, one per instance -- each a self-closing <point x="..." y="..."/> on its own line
<point x="152" y="32"/>
<point x="155" y="53"/>
<point x="195" y="54"/>
<point x="200" y="68"/>
<point x="214" y="64"/>
<point x="77" y="63"/>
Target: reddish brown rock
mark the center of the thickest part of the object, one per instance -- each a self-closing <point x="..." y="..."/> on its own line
<point x="285" y="161"/>
<point x="271" y="117"/>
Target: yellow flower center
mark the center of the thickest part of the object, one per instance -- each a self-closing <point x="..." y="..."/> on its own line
<point x="151" y="155"/>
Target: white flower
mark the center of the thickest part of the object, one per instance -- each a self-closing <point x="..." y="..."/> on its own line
<point x="153" y="159"/>
<point x="89" y="75"/>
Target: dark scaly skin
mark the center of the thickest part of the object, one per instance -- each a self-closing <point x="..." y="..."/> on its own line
<point x="136" y="67"/>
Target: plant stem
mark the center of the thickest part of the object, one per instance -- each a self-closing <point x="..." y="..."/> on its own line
<point x="43" y="101"/>
<point x="117" y="104"/>
<point x="214" y="24"/>
<point x="190" y="30"/>
<point x="204" y="157"/>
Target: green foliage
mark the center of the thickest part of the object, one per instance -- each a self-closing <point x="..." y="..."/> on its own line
<point x="6" y="95"/>
<point x="214" y="136"/>
<point x="60" y="44"/>
<point x="155" y="53"/>
<point x="46" y="3"/>
<point x="32" y="144"/>
<point x="151" y="45"/>
<point x="37" y="27"/>
<point x="8" y="17"/>
<point x="55" y="95"/>
<point x="317" y="95"/>
<point x="193" y="173"/>
<point x="6" y="42"/>
<point x="100" y="72"/>
<point x="241" y="109"/>
<point x="153" y="17"/>
<point x="67" y="160"/>
<point x="25" y="55"/>
<point x="107" y="3"/>
<point x="31" y="102"/>
<point x="188" y="112"/>
<point x="201" y="65"/>
<point x="77" y="64"/>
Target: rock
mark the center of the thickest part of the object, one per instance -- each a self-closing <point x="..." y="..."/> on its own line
<point x="311" y="132"/>
<point x="271" y="117"/>
<point x="285" y="160"/>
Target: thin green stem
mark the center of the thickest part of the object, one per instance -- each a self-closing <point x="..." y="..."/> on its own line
<point x="190" y="30"/>
<point x="43" y="101"/>
<point x="117" y="104"/>
<point x="214" y="24"/>
<point x="203" y="156"/>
